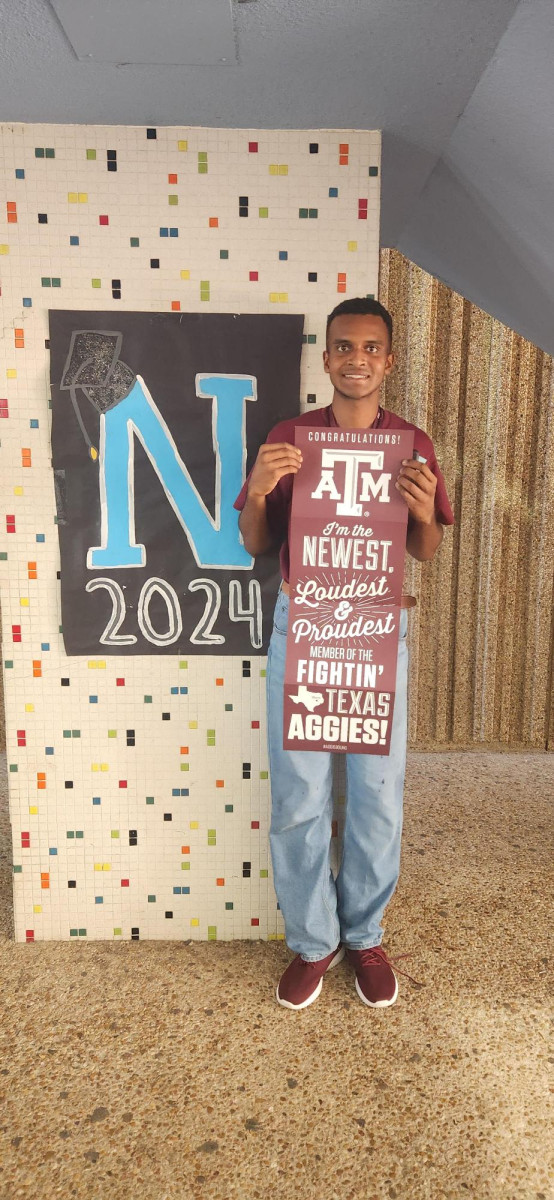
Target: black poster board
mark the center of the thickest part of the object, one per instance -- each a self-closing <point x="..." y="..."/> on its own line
<point x="155" y="419"/>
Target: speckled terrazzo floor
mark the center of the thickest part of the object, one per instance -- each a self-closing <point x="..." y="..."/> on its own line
<point x="156" y="1071"/>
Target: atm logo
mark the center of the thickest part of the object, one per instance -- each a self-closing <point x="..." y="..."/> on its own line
<point x="363" y="479"/>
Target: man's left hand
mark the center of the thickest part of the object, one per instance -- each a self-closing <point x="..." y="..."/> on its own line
<point x="417" y="484"/>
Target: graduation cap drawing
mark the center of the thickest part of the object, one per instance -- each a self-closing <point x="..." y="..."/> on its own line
<point x="93" y="365"/>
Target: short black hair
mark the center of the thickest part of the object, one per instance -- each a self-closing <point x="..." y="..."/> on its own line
<point x="361" y="306"/>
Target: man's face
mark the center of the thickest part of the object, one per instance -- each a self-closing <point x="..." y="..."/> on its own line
<point x="358" y="356"/>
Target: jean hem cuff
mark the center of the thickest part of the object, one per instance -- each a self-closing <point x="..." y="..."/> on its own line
<point x="315" y="960"/>
<point x="369" y="946"/>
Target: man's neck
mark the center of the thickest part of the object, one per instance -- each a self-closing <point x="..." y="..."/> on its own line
<point x="355" y="414"/>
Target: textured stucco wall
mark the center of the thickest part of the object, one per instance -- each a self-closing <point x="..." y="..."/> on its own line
<point x="482" y="635"/>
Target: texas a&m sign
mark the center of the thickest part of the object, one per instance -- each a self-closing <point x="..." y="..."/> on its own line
<point x="347" y="543"/>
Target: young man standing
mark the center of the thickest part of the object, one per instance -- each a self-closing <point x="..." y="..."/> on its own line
<point x="326" y="916"/>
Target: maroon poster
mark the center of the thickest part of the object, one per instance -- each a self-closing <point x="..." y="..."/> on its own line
<point x="347" y="547"/>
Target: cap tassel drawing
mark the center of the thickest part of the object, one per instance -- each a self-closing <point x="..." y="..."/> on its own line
<point x="93" y="365"/>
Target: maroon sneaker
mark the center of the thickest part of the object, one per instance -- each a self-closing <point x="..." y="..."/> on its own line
<point x="376" y="983"/>
<point x="302" y="981"/>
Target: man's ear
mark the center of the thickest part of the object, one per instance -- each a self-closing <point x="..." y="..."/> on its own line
<point x="326" y="361"/>
<point x="390" y="363"/>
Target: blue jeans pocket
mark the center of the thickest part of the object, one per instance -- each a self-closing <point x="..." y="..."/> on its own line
<point x="281" y="614"/>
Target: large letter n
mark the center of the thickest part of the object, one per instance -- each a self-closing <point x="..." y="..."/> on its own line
<point x="214" y="541"/>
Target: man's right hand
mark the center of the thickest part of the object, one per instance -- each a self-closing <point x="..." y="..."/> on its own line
<point x="274" y="460"/>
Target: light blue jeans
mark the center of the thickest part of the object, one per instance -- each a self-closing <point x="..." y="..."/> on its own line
<point x="319" y="910"/>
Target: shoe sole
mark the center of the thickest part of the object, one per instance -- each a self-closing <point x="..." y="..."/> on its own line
<point x="305" y="1003"/>
<point x="377" y="1003"/>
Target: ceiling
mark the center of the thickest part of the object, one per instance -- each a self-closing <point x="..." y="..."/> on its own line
<point x="463" y="91"/>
